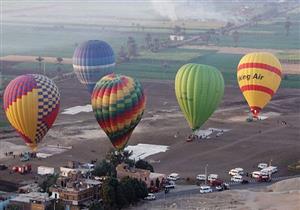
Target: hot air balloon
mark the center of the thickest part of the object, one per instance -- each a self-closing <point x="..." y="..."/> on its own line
<point x="259" y="76"/>
<point x="91" y="61"/>
<point x="199" y="90"/>
<point x="118" y="103"/>
<point x="31" y="104"/>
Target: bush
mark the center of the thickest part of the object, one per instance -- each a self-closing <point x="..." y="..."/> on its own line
<point x="105" y="168"/>
<point x="117" y="195"/>
<point x="142" y="164"/>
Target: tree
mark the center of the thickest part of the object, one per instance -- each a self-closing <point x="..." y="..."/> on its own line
<point x="156" y="45"/>
<point x="122" y="55"/>
<point x="59" y="60"/>
<point x="148" y="40"/>
<point x="236" y="38"/>
<point x="132" y="47"/>
<point x="40" y="59"/>
<point x="143" y="164"/>
<point x="108" y="193"/>
<point x="48" y="182"/>
<point x="177" y="30"/>
<point x="116" y="157"/>
<point x="129" y="190"/>
<point x="105" y="168"/>
<point x="157" y="183"/>
<point x="287" y="26"/>
<point x="96" y="206"/>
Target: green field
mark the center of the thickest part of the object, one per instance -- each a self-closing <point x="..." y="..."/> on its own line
<point x="47" y="40"/>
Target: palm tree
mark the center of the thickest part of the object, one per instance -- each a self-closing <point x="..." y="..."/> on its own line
<point x="40" y="59"/>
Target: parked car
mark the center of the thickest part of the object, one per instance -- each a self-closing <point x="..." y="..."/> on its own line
<point x="262" y="165"/>
<point x="201" y="177"/>
<point x="170" y="184"/>
<point x="173" y="177"/>
<point x="150" y="197"/>
<point x="237" y="178"/>
<point x="236" y="171"/>
<point x="216" y="182"/>
<point x="264" y="178"/>
<point x="269" y="170"/>
<point x="219" y="188"/>
<point x="212" y="177"/>
<point x="205" y="189"/>
<point x="255" y="174"/>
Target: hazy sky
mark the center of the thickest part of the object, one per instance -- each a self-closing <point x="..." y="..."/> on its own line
<point x="172" y="10"/>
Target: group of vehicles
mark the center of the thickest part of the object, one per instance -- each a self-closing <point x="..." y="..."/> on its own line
<point x="263" y="175"/>
<point x="212" y="182"/>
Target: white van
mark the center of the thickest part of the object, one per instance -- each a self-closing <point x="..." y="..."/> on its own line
<point x="173" y="177"/>
<point x="237" y="178"/>
<point x="205" y="189"/>
<point x="201" y="177"/>
<point x="256" y="174"/>
<point x="262" y="165"/>
<point x="212" y="177"/>
<point x="236" y="171"/>
<point x="269" y="170"/>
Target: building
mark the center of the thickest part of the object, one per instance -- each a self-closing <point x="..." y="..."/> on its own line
<point x="174" y="37"/>
<point x="33" y="187"/>
<point x="4" y="199"/>
<point x="123" y="170"/>
<point x="31" y="201"/>
<point x="75" y="167"/>
<point x="76" y="192"/>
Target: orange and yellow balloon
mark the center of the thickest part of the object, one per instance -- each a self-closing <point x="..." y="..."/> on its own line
<point x="259" y="76"/>
<point x="31" y="104"/>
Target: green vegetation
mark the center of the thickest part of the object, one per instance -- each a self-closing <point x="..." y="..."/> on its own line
<point x="105" y="168"/>
<point x="117" y="195"/>
<point x="143" y="164"/>
<point x="48" y="182"/>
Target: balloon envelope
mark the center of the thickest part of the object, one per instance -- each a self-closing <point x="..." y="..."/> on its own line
<point x="259" y="76"/>
<point x="199" y="90"/>
<point x="91" y="61"/>
<point x="118" y="103"/>
<point x="31" y="104"/>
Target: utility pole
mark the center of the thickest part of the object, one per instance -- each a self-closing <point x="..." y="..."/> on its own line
<point x="206" y="174"/>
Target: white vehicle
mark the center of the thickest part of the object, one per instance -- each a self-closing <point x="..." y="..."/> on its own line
<point x="150" y="197"/>
<point x="269" y="170"/>
<point x="43" y="170"/>
<point x="212" y="177"/>
<point x="201" y="177"/>
<point x="173" y="177"/>
<point x="205" y="189"/>
<point x="236" y="171"/>
<point x="237" y="178"/>
<point x="256" y="174"/>
<point x="170" y="184"/>
<point x="262" y="165"/>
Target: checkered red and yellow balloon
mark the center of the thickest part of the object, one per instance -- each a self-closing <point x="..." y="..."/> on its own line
<point x="118" y="103"/>
<point x="31" y="104"/>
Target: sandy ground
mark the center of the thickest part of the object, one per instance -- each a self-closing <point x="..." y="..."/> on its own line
<point x="284" y="195"/>
<point x="244" y="145"/>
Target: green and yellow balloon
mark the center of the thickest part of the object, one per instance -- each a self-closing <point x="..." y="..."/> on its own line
<point x="199" y="89"/>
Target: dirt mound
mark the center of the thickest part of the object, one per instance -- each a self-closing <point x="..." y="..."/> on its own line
<point x="286" y="185"/>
